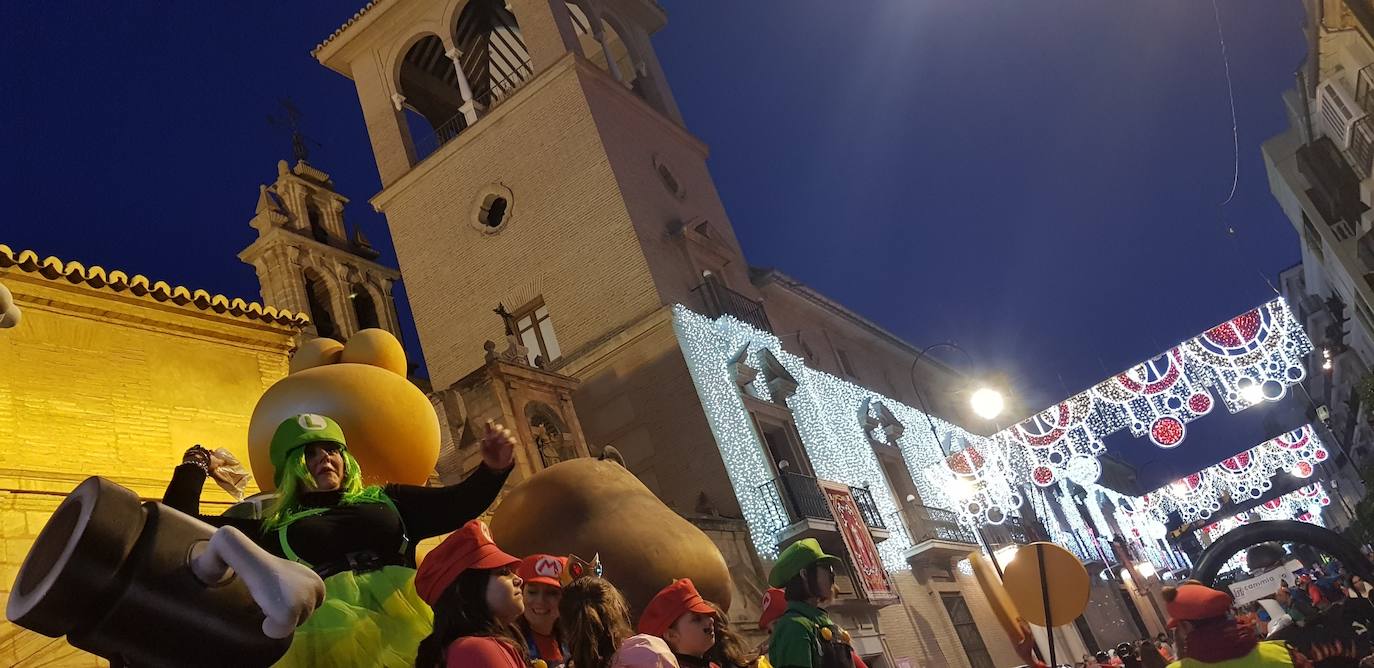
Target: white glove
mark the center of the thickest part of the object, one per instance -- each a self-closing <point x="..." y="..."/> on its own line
<point x="286" y="591"/>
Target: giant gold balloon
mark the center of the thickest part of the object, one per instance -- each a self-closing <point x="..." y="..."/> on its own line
<point x="588" y="507"/>
<point x="391" y="428"/>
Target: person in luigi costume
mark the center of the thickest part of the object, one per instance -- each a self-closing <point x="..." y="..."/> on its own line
<point x="359" y="538"/>
<point x="805" y="636"/>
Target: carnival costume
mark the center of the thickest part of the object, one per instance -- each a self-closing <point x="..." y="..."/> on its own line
<point x="805" y="636"/>
<point x="362" y="544"/>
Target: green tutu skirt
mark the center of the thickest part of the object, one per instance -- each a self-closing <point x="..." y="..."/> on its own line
<point x="368" y="619"/>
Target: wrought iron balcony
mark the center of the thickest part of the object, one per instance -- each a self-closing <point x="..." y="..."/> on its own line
<point x="795" y="499"/>
<point x="719" y="300"/>
<point x="792" y="498"/>
<point x="867" y="509"/>
<point x="937" y="524"/>
<point x="937" y="536"/>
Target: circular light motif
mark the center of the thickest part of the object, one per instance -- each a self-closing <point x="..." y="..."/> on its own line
<point x="1167" y="432"/>
<point x="1200" y="403"/>
<point x="1083" y="469"/>
<point x="1043" y="476"/>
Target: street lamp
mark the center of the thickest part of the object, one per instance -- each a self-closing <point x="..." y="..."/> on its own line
<point x="986" y="403"/>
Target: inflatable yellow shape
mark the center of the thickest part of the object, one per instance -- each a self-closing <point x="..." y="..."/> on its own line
<point x="391" y="428"/>
<point x="316" y="352"/>
<point x="378" y="348"/>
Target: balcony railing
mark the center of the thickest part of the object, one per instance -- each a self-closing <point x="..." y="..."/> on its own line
<point x="867" y="509"/>
<point x="485" y="97"/>
<point x="928" y="523"/>
<point x="794" y="497"/>
<point x="719" y="300"/>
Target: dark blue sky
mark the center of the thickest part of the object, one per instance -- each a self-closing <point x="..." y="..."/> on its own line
<point x="1038" y="181"/>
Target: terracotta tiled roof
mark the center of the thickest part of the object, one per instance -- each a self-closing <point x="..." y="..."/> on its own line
<point x="339" y="31"/>
<point x="117" y="281"/>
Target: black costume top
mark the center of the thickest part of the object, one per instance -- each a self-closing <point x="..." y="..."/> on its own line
<point x="364" y="530"/>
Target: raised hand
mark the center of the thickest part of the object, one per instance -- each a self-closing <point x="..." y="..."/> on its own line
<point x="498" y="447"/>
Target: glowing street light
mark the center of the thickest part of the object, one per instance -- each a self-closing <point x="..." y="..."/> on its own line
<point x="987" y="403"/>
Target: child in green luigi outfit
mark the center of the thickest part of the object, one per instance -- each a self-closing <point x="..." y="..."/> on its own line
<point x="805" y="636"/>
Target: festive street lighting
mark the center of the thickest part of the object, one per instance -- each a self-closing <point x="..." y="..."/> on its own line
<point x="987" y="403"/>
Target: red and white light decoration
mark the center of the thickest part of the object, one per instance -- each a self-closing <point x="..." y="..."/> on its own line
<point x="1247" y="475"/>
<point x="1246" y="360"/>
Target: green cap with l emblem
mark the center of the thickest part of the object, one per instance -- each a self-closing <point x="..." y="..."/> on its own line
<point x="796" y="557"/>
<point x="299" y="431"/>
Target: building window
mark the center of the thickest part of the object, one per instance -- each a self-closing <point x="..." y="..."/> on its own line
<point x="317" y="298"/>
<point x="363" y="307"/>
<point x="967" y="630"/>
<point x="493" y="212"/>
<point x="535" y="329"/>
<point x="669" y="180"/>
<point x="312" y="213"/>
<point x="492" y="208"/>
<point x="846" y="367"/>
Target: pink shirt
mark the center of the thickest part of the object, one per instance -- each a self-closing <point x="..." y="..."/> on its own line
<point x="481" y="653"/>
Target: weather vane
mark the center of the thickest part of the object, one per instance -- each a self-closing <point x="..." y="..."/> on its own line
<point x="290" y="118"/>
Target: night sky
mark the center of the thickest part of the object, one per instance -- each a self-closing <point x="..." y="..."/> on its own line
<point x="1037" y="181"/>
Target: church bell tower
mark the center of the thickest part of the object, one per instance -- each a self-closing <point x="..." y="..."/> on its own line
<point x="307" y="262"/>
<point x="531" y="155"/>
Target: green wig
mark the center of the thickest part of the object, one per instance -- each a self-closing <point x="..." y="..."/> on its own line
<point x="296" y="480"/>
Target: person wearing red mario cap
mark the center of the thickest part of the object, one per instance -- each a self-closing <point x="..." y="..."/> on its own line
<point x="1208" y="635"/>
<point x="684" y="620"/>
<point x="476" y="595"/>
<point x="543" y="589"/>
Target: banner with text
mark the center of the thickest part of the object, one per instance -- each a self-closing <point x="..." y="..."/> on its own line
<point x="1263" y="586"/>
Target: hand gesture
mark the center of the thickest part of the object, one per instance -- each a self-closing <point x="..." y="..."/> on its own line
<point x="498" y="447"/>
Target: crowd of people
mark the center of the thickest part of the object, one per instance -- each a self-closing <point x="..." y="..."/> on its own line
<point x="493" y="609"/>
<point x="471" y="604"/>
<point x="1144" y="653"/>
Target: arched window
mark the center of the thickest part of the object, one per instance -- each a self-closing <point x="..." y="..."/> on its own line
<point x="317" y="298"/>
<point x="433" y="100"/>
<point x="364" y="308"/>
<point x="317" y="229"/>
<point x="495" y="60"/>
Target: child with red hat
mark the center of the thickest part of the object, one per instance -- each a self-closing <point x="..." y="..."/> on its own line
<point x="543" y="588"/>
<point x="476" y="596"/>
<point x="683" y="619"/>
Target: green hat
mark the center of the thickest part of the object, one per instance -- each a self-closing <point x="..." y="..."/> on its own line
<point x="796" y="557"/>
<point x="297" y="432"/>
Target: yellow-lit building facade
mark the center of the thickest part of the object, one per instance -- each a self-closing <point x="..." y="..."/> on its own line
<point x="114" y="375"/>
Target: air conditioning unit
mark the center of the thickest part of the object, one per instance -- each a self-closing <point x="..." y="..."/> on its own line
<point x="1337" y="111"/>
